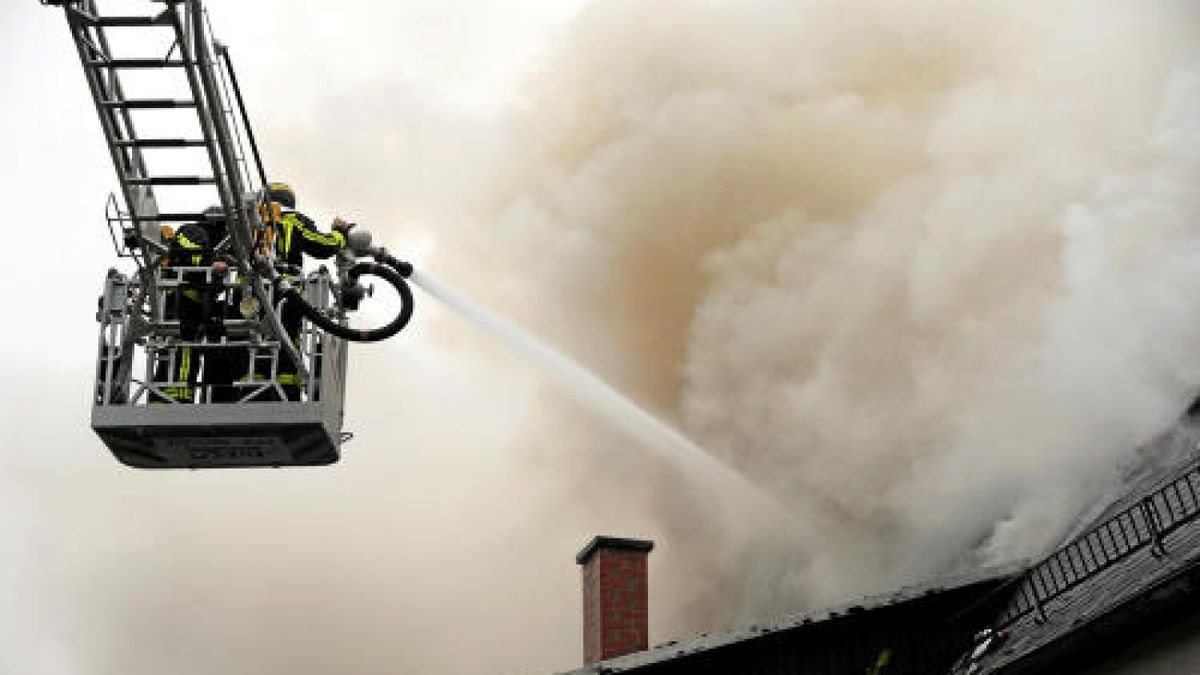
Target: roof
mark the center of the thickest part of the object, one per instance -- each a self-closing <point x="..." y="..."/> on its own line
<point x="975" y="583"/>
<point x="1130" y="554"/>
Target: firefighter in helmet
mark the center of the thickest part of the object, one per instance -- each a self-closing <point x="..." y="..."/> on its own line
<point x="296" y="236"/>
<point x="194" y="301"/>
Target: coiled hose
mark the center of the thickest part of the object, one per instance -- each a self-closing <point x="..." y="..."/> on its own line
<point x="390" y="270"/>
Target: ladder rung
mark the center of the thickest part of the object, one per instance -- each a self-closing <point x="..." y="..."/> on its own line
<point x="160" y="143"/>
<point x="147" y="103"/>
<point x="171" y="180"/>
<point x="137" y="63"/>
<point x="124" y="21"/>
<point x="172" y="217"/>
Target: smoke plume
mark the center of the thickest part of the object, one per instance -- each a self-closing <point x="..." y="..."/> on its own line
<point x="926" y="270"/>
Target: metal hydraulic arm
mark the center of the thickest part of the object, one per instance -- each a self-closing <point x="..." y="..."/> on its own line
<point x="151" y="355"/>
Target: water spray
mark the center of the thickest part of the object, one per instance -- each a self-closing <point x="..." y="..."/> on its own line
<point x="732" y="489"/>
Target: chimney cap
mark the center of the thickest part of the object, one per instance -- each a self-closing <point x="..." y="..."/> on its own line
<point x="619" y="543"/>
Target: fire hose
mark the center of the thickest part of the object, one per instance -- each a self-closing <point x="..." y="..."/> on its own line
<point x="385" y="267"/>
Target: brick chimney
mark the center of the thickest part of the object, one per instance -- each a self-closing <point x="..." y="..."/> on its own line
<point x="615" y="597"/>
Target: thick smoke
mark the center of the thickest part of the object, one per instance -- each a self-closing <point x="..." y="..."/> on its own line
<point x="924" y="270"/>
<point x="928" y="271"/>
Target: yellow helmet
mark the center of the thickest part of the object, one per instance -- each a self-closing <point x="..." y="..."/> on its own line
<point x="282" y="193"/>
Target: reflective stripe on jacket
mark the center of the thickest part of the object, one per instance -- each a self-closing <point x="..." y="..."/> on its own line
<point x="191" y="247"/>
<point x="297" y="235"/>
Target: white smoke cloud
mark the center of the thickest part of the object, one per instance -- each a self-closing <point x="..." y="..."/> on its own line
<point x="924" y="269"/>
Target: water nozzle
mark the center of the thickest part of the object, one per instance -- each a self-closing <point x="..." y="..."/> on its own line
<point x="404" y="268"/>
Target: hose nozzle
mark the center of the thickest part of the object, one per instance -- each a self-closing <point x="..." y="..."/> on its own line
<point x="404" y="268"/>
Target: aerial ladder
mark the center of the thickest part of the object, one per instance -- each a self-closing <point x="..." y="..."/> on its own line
<point x="251" y="420"/>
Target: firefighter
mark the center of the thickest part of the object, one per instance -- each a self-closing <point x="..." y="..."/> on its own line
<point x="195" y="303"/>
<point x="296" y="236"/>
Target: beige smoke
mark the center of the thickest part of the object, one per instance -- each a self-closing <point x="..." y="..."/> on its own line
<point x="926" y="269"/>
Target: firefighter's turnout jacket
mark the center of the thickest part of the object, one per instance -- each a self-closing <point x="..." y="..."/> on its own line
<point x="296" y="235"/>
<point x="191" y="247"/>
<point x="195" y="305"/>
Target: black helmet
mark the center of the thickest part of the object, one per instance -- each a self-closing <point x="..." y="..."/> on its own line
<point x="282" y="193"/>
<point x="214" y="223"/>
